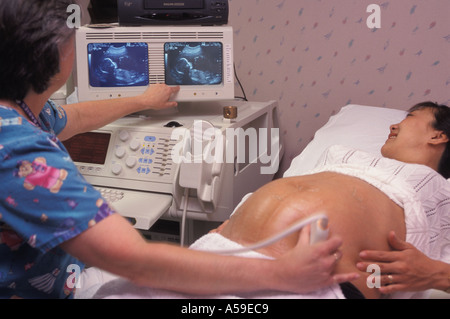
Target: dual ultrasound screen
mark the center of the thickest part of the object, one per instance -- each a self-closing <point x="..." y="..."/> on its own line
<point x="127" y="64"/>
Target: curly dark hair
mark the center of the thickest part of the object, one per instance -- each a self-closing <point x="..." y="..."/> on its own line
<point x="441" y="123"/>
<point x="31" y="32"/>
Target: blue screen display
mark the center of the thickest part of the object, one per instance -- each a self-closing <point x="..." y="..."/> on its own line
<point x="118" y="64"/>
<point x="193" y="63"/>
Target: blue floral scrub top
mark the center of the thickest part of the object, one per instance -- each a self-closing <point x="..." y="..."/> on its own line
<point x="44" y="201"/>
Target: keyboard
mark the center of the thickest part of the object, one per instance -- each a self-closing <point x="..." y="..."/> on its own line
<point x="143" y="209"/>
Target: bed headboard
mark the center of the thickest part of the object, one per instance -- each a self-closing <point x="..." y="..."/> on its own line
<point x="358" y="126"/>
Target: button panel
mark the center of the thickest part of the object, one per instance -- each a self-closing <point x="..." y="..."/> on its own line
<point x="138" y="156"/>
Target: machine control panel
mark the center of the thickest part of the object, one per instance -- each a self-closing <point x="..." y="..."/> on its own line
<point x="129" y="154"/>
<point x="130" y="161"/>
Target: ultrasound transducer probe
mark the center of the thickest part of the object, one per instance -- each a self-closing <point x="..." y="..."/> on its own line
<point x="319" y="230"/>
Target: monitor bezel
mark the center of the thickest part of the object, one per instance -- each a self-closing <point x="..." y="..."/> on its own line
<point x="155" y="38"/>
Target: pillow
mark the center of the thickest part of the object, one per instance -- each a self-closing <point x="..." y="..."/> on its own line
<point x="358" y="126"/>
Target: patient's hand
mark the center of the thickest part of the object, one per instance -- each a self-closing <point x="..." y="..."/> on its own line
<point x="406" y="268"/>
<point x="313" y="265"/>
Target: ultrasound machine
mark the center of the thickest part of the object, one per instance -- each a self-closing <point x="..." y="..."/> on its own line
<point x="131" y="161"/>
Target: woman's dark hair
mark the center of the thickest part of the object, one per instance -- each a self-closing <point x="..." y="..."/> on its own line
<point x="441" y="123"/>
<point x="31" y="32"/>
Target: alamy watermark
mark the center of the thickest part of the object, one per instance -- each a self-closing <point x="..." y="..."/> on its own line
<point x="73" y="280"/>
<point x="374" y="20"/>
<point x="74" y="19"/>
<point x="373" y="280"/>
<point x="236" y="146"/>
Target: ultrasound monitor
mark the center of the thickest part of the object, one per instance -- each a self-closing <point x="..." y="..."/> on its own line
<point x="124" y="61"/>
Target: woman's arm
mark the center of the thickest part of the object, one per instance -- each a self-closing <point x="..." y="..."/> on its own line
<point x="115" y="246"/>
<point x="86" y="116"/>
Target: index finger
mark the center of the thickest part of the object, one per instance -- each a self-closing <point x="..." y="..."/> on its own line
<point x="175" y="89"/>
<point x="331" y="245"/>
<point x="379" y="255"/>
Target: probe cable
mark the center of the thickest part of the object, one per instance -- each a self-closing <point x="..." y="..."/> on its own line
<point x="296" y="227"/>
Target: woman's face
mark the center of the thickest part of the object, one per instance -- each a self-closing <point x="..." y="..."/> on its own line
<point x="409" y="136"/>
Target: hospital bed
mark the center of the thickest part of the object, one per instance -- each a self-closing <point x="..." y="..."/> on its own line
<point x="358" y="126"/>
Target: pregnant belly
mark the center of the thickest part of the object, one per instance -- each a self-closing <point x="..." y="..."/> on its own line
<point x="358" y="212"/>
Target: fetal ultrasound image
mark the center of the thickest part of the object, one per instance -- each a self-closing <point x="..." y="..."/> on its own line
<point x="118" y="64"/>
<point x="193" y="63"/>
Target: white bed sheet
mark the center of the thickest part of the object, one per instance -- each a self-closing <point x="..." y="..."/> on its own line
<point x="358" y="126"/>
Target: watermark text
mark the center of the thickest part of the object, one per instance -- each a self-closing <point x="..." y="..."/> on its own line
<point x="374" y="280"/>
<point x="235" y="146"/>
<point x="73" y="281"/>
<point x="74" y="19"/>
<point x="374" y="19"/>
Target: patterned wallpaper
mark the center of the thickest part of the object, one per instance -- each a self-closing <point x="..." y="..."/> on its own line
<point x="315" y="56"/>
